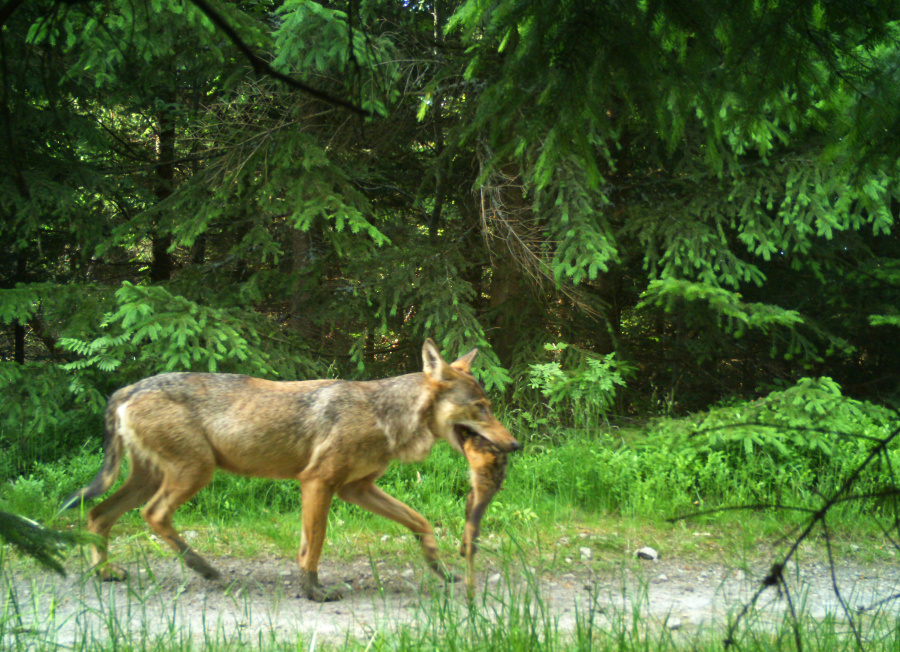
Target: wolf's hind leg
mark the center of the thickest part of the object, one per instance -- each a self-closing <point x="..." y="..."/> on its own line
<point x="142" y="483"/>
<point x="177" y="488"/>
<point x="369" y="496"/>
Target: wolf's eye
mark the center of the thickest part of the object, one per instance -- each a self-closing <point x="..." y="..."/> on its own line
<point x="483" y="411"/>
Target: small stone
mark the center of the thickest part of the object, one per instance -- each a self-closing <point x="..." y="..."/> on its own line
<point x="568" y="560"/>
<point x="585" y="553"/>
<point x="494" y="579"/>
<point x="673" y="623"/>
<point x="662" y="577"/>
<point x="646" y="553"/>
<point x="385" y="538"/>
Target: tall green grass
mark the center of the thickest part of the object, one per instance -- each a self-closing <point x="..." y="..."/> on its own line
<point x="793" y="446"/>
<point x="724" y="458"/>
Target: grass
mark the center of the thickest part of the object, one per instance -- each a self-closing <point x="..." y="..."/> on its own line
<point x="609" y="493"/>
<point x="149" y="615"/>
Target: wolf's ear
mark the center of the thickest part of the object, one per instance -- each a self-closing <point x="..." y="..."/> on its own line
<point x="432" y="361"/>
<point x="464" y="363"/>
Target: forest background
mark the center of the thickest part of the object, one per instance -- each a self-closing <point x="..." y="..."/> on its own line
<point x="690" y="202"/>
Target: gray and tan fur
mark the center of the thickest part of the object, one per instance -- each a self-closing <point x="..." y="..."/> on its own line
<point x="335" y="437"/>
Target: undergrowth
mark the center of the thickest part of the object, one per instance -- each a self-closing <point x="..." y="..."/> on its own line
<point x="789" y="448"/>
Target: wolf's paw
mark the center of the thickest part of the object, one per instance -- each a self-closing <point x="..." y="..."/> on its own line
<point x="319" y="593"/>
<point x="208" y="573"/>
<point x="200" y="566"/>
<point x="443" y="572"/>
<point x="314" y="591"/>
<point x="111" y="572"/>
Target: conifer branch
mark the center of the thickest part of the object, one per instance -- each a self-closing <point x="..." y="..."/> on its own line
<point x="263" y="68"/>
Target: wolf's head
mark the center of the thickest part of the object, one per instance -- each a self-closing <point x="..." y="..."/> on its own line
<point x="462" y="405"/>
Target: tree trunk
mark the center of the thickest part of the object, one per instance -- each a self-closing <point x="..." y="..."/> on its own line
<point x="300" y="245"/>
<point x="18" y="328"/>
<point x="19" y="340"/>
<point x="434" y="219"/>
<point x="161" y="265"/>
<point x="513" y="306"/>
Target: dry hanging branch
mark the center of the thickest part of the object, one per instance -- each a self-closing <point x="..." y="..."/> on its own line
<point x="510" y="223"/>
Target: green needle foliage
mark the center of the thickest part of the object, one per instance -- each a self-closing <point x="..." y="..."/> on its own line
<point x="706" y="191"/>
<point x="47" y="547"/>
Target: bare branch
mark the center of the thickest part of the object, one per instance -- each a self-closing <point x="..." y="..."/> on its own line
<point x="818" y="517"/>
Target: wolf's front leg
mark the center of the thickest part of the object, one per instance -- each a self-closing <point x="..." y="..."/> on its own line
<point x="369" y="496"/>
<point x="316" y="503"/>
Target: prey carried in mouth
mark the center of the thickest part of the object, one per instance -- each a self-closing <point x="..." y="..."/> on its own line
<point x="487" y="470"/>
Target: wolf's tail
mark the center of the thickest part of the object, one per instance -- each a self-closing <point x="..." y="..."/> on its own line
<point x="112" y="462"/>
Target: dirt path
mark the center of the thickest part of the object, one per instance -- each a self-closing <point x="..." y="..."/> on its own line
<point x="258" y="601"/>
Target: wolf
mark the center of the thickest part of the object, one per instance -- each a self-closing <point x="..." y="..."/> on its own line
<point x="335" y="437"/>
<point x="487" y="470"/>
